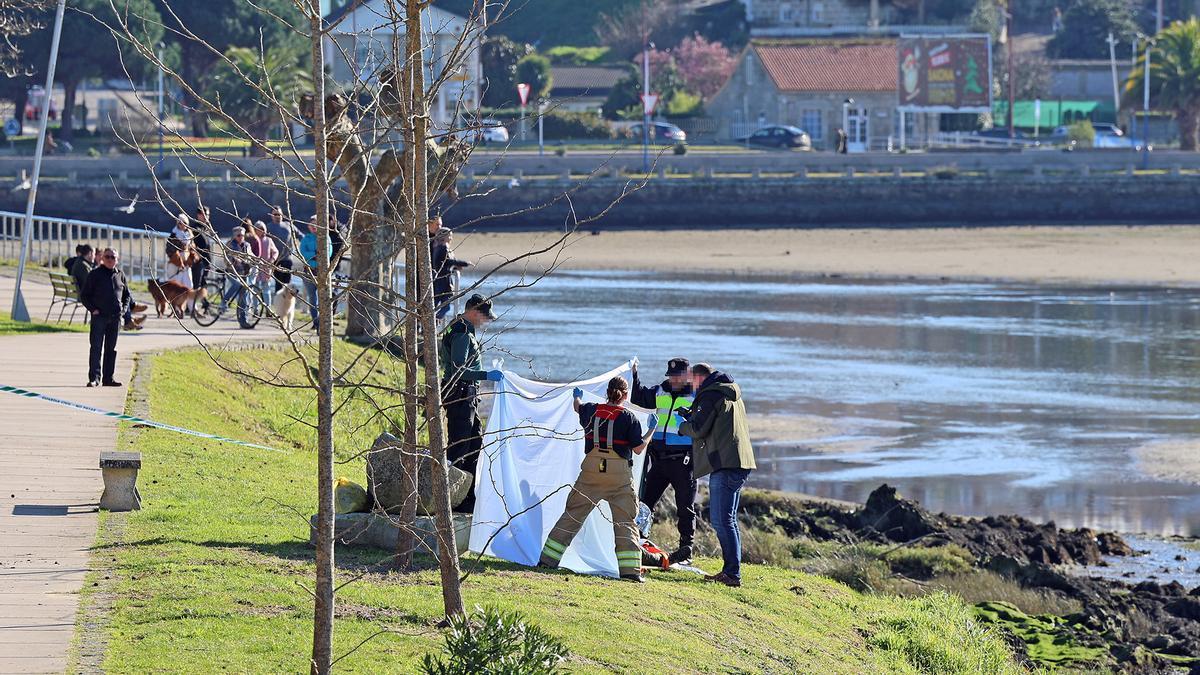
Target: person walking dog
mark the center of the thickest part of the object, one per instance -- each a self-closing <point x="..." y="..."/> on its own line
<point x="721" y="449"/>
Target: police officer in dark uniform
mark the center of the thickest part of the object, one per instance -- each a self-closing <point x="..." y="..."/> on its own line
<point x="670" y="453"/>
<point x="462" y="371"/>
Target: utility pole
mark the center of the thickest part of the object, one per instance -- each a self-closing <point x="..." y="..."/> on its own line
<point x="1008" y="53"/>
<point x="1112" y="58"/>
<point x="161" y="122"/>
<point x="645" y="108"/>
<point x="19" y="311"/>
<point x="1158" y="17"/>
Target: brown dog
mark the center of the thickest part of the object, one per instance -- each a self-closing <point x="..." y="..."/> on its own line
<point x="175" y="294"/>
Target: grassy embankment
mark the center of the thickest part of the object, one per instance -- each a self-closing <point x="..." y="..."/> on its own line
<point x="209" y="576"/>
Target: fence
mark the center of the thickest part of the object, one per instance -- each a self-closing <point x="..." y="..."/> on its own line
<point x="143" y="252"/>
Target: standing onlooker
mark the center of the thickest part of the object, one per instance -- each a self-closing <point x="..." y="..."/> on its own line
<point x="84" y="263"/>
<point x="203" y="251"/>
<point x="69" y="263"/>
<point x="440" y="239"/>
<point x="105" y="294"/>
<point x="283" y="230"/>
<point x="181" y="235"/>
<point x="1056" y="20"/>
<point x="241" y="260"/>
<point x="268" y="253"/>
<point x="721" y="446"/>
<point x="336" y="240"/>
<point x="308" y="251"/>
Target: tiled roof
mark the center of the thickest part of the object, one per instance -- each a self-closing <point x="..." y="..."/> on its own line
<point x="596" y="79"/>
<point x="830" y="66"/>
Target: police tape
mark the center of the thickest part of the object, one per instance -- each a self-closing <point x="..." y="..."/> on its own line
<point x="128" y="418"/>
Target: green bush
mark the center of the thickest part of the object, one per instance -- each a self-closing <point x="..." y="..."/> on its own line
<point x="534" y="70"/>
<point x="680" y="149"/>
<point x="930" y="562"/>
<point x="495" y="642"/>
<point x="684" y="104"/>
<point x="1082" y="133"/>
<point x="562" y="125"/>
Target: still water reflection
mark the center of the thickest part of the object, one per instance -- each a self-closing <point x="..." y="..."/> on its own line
<point x="974" y="398"/>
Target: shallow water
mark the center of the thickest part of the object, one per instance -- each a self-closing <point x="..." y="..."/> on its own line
<point x="973" y="398"/>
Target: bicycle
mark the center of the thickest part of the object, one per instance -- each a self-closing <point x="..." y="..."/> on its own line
<point x="210" y="308"/>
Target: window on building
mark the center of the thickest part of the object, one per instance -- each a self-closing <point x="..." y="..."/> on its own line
<point x="910" y="124"/>
<point x="785" y="13"/>
<point x="818" y="12"/>
<point x="813" y="122"/>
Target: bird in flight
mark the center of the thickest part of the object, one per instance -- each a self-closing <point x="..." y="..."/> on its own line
<point x="130" y="207"/>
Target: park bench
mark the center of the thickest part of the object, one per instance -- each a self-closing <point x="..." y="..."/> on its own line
<point x="65" y="295"/>
<point x="120" y="470"/>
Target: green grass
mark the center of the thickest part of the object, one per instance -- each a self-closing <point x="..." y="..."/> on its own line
<point x="10" y="327"/>
<point x="1047" y="638"/>
<point x="209" y="576"/>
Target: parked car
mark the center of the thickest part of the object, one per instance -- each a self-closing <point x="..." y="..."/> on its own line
<point x="660" y="132"/>
<point x="779" y="136"/>
<point x="491" y="131"/>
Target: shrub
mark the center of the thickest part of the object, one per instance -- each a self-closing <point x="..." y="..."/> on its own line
<point x="93" y="152"/>
<point x="561" y="151"/>
<point x="680" y="149"/>
<point x="494" y="642"/>
<point x="944" y="172"/>
<point x="930" y="562"/>
<point x="568" y="55"/>
<point x="684" y="104"/>
<point x="560" y="124"/>
<point x="1082" y="133"/>
<point x="534" y="70"/>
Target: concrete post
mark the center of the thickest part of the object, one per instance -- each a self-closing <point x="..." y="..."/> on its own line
<point x="1176" y="170"/>
<point x="566" y="174"/>
<point x="897" y="172"/>
<point x="802" y="173"/>
<point x="849" y="172"/>
<point x="1128" y="169"/>
<point x="1085" y="170"/>
<point x="709" y="173"/>
<point x="756" y="173"/>
<point x="1037" y="170"/>
<point x="661" y="172"/>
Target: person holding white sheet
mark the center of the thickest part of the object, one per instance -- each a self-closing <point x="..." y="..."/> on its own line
<point x="612" y="435"/>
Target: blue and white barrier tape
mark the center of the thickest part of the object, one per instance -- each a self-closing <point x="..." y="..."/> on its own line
<point x="127" y="418"/>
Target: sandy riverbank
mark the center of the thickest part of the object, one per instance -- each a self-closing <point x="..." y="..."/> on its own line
<point x="1171" y="460"/>
<point x="1156" y="255"/>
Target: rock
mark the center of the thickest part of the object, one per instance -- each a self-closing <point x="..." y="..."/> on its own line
<point x="376" y="530"/>
<point x="895" y="518"/>
<point x="384" y="478"/>
<point x="1111" y="543"/>
<point x="1185" y="608"/>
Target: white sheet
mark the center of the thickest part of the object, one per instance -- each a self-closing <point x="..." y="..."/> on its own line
<point x="533" y="447"/>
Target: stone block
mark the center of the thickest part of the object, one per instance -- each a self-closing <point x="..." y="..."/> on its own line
<point x="384" y="478"/>
<point x="377" y="530"/>
<point x="119" y="471"/>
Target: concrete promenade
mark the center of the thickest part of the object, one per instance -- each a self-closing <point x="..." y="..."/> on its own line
<point x="49" y="473"/>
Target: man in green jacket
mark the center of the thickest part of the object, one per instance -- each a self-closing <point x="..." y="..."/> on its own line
<point x="716" y="423"/>
<point x="462" y="371"/>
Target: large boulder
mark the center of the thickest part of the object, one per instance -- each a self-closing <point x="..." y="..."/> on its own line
<point x="385" y="474"/>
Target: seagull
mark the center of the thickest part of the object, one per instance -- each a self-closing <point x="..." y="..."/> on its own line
<point x="23" y="185"/>
<point x="128" y="209"/>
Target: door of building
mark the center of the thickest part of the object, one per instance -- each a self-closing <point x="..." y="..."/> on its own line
<point x="857" y="130"/>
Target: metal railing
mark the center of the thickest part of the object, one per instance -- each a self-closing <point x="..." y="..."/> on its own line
<point x="143" y="252"/>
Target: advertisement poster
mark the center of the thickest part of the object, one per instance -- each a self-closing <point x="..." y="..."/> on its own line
<point x="945" y="73"/>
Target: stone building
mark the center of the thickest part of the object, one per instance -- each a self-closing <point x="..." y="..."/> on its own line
<point x="807" y="83"/>
<point x="783" y="17"/>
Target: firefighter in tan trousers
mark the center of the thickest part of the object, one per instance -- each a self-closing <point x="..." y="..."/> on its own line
<point x="612" y="435"/>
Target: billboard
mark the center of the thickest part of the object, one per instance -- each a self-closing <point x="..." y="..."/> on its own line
<point x="945" y="73"/>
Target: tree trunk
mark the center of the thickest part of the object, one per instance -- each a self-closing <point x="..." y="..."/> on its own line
<point x="406" y="542"/>
<point x="66" y="131"/>
<point x="363" y="318"/>
<point x="20" y="100"/>
<point x="1189" y="126"/>
<point x="323" y="605"/>
<point x="447" y="545"/>
<point x="193" y="72"/>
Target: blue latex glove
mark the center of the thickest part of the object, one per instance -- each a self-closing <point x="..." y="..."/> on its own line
<point x="653" y="423"/>
<point x="577" y="392"/>
<point x="494" y="375"/>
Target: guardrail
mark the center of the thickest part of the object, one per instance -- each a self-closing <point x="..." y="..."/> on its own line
<point x="143" y="252"/>
<point x="961" y="139"/>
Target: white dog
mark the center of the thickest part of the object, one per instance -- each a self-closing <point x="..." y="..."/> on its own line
<point x="284" y="305"/>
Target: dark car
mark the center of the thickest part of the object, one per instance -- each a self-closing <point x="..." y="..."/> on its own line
<point x="779" y="136"/>
<point x="660" y="132"/>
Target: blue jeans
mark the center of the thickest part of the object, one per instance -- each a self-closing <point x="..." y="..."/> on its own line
<point x="724" y="495"/>
<point x="236" y="290"/>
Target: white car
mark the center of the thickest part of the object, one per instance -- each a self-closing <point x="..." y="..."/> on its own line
<point x="491" y="131"/>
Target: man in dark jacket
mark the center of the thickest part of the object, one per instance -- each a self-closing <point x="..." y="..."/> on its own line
<point x="202" y="246"/>
<point x="721" y="447"/>
<point x="442" y="264"/>
<point x="82" y="265"/>
<point x="105" y="294"/>
<point x="670" y="452"/>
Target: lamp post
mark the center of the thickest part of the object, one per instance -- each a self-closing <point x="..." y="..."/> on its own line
<point x="19" y="311"/>
<point x="1146" y="107"/>
<point x="645" y="109"/>
<point x="161" y="122"/>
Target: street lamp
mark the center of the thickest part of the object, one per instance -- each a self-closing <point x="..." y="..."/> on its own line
<point x="645" y="109"/>
<point x="161" y="122"/>
<point x="1146" y="106"/>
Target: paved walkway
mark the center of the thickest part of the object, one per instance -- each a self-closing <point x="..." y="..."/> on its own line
<point x="49" y="475"/>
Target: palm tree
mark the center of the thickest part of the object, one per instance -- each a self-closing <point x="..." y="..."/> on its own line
<point x="254" y="88"/>
<point x="1174" y="77"/>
